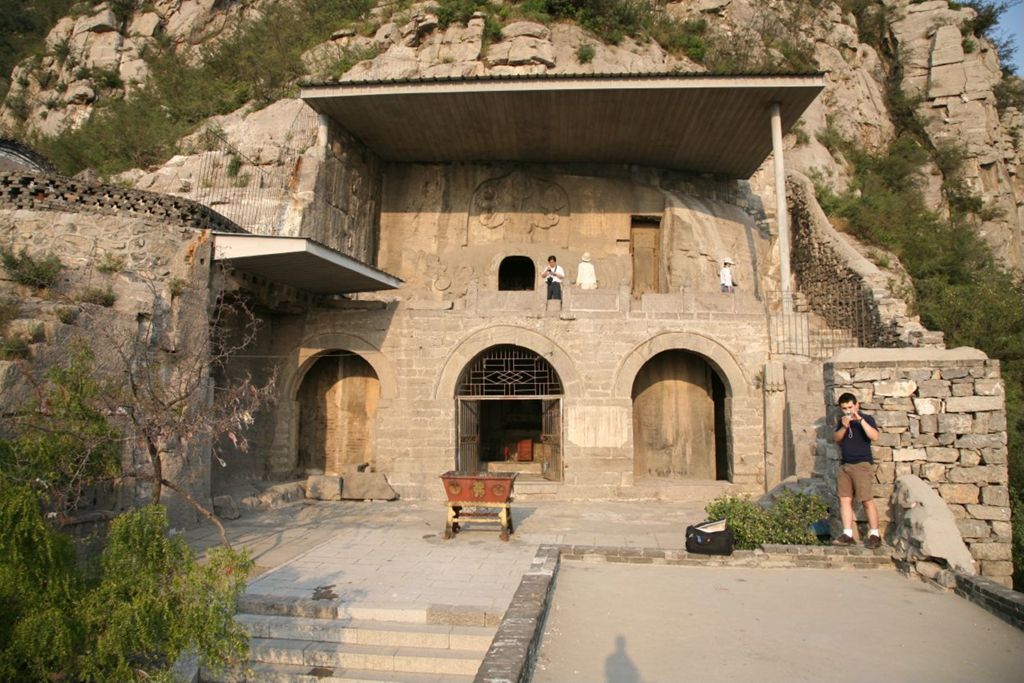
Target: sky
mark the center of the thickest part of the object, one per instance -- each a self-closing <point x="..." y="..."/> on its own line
<point x="1012" y="25"/>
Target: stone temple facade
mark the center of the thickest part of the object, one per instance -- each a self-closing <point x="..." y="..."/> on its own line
<point x="406" y="322"/>
<point x="649" y="386"/>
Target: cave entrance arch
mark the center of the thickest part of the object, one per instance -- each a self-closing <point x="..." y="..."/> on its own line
<point x="517" y="274"/>
<point x="679" y="425"/>
<point x="509" y="414"/>
<point x="337" y="401"/>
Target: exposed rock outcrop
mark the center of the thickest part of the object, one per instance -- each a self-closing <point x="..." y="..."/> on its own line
<point x="953" y="72"/>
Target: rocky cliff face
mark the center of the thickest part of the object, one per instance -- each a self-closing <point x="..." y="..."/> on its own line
<point x="948" y="72"/>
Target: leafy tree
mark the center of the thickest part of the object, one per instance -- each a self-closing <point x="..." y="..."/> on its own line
<point x="127" y="620"/>
<point x="23" y="25"/>
<point x="959" y="287"/>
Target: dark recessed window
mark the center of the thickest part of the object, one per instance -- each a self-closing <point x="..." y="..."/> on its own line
<point x="517" y="273"/>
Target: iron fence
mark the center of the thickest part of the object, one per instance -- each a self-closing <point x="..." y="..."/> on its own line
<point x="254" y="193"/>
<point x="849" y="317"/>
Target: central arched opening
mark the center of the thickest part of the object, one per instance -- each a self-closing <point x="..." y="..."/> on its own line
<point x="510" y="414"/>
<point x="337" y="401"/>
<point x="517" y="274"/>
<point x="679" y="425"/>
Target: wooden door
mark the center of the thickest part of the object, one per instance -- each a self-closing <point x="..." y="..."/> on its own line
<point x="643" y="245"/>
<point x="551" y="437"/>
<point x="467" y="459"/>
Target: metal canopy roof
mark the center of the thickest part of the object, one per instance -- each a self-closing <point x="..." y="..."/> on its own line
<point x="300" y="262"/>
<point x="699" y="123"/>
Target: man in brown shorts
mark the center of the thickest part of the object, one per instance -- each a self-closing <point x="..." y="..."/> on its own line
<point x="854" y="434"/>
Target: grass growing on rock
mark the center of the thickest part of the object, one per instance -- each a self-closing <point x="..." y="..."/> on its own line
<point x="257" y="64"/>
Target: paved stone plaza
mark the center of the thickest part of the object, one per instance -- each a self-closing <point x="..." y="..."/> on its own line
<point x="393" y="554"/>
<point x="617" y="623"/>
<point x="379" y="565"/>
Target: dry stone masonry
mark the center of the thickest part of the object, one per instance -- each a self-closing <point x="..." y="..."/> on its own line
<point x="36" y="192"/>
<point x="841" y="285"/>
<point x="942" y="418"/>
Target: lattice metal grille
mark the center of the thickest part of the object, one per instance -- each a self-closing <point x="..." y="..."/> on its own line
<point x="509" y="371"/>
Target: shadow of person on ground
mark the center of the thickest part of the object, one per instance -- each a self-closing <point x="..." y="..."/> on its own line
<point x="618" y="667"/>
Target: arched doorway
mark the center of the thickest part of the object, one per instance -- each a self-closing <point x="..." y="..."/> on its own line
<point x="679" y="426"/>
<point x="337" y="405"/>
<point x="510" y="414"/>
<point x="517" y="273"/>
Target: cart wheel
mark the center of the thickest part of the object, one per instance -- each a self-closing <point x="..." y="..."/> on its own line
<point x="455" y="528"/>
<point x="503" y="535"/>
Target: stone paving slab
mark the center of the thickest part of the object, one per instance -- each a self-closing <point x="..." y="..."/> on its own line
<point x="391" y="557"/>
<point x="622" y="623"/>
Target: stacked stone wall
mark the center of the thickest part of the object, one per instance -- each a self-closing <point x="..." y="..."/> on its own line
<point x="150" y="253"/>
<point x="40" y="192"/>
<point x="942" y="418"/>
<point x="840" y="284"/>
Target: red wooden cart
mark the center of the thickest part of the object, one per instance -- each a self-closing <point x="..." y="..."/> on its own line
<point x="484" y="498"/>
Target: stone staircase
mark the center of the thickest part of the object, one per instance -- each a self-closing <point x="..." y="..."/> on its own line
<point x="370" y="645"/>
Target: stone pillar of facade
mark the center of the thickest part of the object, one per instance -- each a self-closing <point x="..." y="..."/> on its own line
<point x="942" y="417"/>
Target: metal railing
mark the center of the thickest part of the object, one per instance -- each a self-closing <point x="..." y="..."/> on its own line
<point x="254" y="194"/>
<point x="815" y="329"/>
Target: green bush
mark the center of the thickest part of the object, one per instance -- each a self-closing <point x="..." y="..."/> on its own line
<point x="787" y="521"/>
<point x="959" y="286"/>
<point x="129" y="620"/>
<point x="258" y="63"/>
<point x="111" y="263"/>
<point x="100" y="296"/>
<point x="585" y="53"/>
<point x="176" y="287"/>
<point x="14" y="347"/>
<point x="9" y="311"/>
<point x="127" y="617"/>
<point x="67" y="314"/>
<point x="27" y="270"/>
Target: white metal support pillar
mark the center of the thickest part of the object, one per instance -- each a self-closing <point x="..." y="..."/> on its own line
<point x="781" y="206"/>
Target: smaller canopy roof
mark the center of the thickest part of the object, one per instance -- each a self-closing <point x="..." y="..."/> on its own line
<point x="301" y="263"/>
<point x="700" y="123"/>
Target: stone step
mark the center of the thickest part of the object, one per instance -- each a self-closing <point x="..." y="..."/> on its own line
<point x="360" y="632"/>
<point x="262" y="672"/>
<point x="534" y="487"/>
<point x="284" y="606"/>
<point x="680" y="491"/>
<point x="521" y="467"/>
<point x="368" y="657"/>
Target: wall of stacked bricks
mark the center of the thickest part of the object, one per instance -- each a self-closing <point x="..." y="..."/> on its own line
<point x="945" y="422"/>
<point x="418" y="355"/>
<point x="836" y="279"/>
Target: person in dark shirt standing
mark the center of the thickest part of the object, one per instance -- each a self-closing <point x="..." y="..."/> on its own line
<point x="854" y="433"/>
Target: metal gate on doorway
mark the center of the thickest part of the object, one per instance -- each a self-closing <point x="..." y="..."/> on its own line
<point x="509" y="414"/>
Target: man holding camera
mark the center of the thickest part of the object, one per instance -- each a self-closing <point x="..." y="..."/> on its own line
<point x="553" y="275"/>
<point x="854" y="434"/>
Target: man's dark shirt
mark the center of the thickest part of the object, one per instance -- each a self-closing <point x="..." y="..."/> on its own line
<point x="856" y="446"/>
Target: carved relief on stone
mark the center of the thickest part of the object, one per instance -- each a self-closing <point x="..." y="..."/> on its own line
<point x="513" y="207"/>
<point x="441" y="279"/>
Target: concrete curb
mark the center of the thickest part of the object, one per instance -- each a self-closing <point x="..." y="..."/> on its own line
<point x="1005" y="603"/>
<point x="512" y="653"/>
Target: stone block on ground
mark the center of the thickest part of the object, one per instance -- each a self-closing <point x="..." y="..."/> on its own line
<point x="225" y="507"/>
<point x="325" y="487"/>
<point x="924" y="528"/>
<point x="367" y="486"/>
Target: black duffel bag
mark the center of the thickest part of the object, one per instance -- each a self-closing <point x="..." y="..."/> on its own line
<point x="710" y="538"/>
